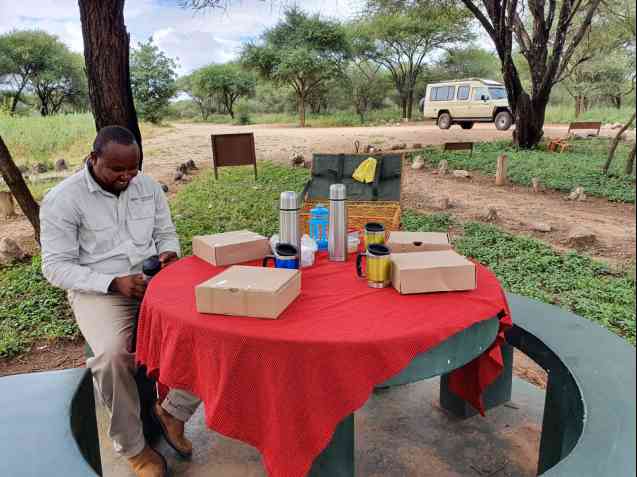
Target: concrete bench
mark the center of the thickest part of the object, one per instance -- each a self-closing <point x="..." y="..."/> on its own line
<point x="588" y="426"/>
<point x="48" y="425"/>
<point x="47" y="420"/>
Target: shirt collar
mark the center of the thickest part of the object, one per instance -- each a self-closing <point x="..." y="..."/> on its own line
<point x="92" y="184"/>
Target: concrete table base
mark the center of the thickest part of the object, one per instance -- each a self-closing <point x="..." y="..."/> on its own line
<point x="400" y="432"/>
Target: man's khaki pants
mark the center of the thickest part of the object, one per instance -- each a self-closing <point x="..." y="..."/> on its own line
<point x="106" y="321"/>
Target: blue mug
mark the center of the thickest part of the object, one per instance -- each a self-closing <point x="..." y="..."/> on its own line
<point x="285" y="256"/>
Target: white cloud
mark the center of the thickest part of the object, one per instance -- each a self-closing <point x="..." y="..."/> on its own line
<point x="195" y="39"/>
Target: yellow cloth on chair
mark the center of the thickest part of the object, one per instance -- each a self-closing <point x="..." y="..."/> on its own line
<point x="365" y="171"/>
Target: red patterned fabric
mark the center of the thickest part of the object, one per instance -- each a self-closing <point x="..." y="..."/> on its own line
<point x="284" y="385"/>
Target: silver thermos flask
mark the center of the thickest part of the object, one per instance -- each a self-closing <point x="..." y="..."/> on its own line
<point x="337" y="228"/>
<point x="289" y="219"/>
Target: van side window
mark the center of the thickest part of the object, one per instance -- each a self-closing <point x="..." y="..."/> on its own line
<point x="463" y="93"/>
<point x="443" y="93"/>
<point x="478" y="93"/>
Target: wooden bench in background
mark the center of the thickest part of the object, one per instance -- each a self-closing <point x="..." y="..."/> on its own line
<point x="459" y="146"/>
<point x="585" y="126"/>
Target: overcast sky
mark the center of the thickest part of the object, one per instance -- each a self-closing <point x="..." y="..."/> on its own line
<point x="195" y="39"/>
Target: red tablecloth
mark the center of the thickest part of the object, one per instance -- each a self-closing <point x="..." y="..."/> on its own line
<point x="284" y="385"/>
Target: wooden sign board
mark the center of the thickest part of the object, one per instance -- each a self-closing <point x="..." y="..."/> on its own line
<point x="233" y="150"/>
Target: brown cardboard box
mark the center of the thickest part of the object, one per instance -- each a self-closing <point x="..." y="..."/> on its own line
<point x="230" y="247"/>
<point x="249" y="291"/>
<point x="422" y="272"/>
<point x="403" y="242"/>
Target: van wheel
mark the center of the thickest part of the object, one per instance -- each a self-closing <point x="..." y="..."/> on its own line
<point x="466" y="125"/>
<point x="444" y="121"/>
<point x="503" y="121"/>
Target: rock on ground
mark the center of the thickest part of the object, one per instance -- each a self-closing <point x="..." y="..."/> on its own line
<point x="541" y="227"/>
<point x="581" y="237"/>
<point x="462" y="174"/>
<point x="10" y="252"/>
<point x="61" y="165"/>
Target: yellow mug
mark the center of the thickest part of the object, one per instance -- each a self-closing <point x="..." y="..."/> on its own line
<point x="374" y="233"/>
<point x="378" y="266"/>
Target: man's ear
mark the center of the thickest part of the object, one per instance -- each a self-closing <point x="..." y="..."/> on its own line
<point x="91" y="158"/>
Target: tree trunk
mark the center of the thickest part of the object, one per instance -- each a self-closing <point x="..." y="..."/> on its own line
<point x="403" y="106"/>
<point x="106" y="52"/>
<point x="301" y="99"/>
<point x="410" y="104"/>
<point x="613" y="145"/>
<point x="529" y="122"/>
<point x="581" y="105"/>
<point x="13" y="178"/>
<point x="16" y="97"/>
<point x="630" y="162"/>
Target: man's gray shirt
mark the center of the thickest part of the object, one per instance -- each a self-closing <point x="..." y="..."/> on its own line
<point x="90" y="236"/>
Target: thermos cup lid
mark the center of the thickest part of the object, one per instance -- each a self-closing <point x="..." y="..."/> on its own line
<point x="378" y="249"/>
<point x="289" y="201"/>
<point x="337" y="192"/>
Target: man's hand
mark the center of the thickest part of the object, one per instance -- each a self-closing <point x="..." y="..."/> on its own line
<point x="167" y="258"/>
<point x="131" y="286"/>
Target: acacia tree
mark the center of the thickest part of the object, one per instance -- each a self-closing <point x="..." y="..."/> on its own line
<point x="557" y="30"/>
<point x="25" y="55"/>
<point x="399" y="36"/>
<point x="300" y="51"/>
<point x="63" y="83"/>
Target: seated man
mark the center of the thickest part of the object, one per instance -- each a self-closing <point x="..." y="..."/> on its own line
<point x="98" y="226"/>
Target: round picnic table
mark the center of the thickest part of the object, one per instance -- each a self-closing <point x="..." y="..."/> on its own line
<point x="290" y="386"/>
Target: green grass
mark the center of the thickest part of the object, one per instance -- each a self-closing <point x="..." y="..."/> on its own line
<point x="333" y="119"/>
<point x="32" y="139"/>
<point x="566" y="114"/>
<point x="529" y="267"/>
<point x="30" y="309"/>
<point x="563" y="172"/>
<point x="234" y="202"/>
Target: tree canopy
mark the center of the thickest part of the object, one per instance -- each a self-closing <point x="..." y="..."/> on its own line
<point x="301" y="51"/>
<point x="400" y="35"/>
<point x="153" y="80"/>
<point x="37" y="62"/>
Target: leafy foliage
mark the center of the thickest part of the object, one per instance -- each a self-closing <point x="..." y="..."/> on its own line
<point x="33" y="61"/>
<point x="153" y="80"/>
<point x="218" y="84"/>
<point x="565" y="171"/>
<point x="31" y="309"/>
<point x="529" y="267"/>
<point x="400" y="35"/>
<point x="300" y="51"/>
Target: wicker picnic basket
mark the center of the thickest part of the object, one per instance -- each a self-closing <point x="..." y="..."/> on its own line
<point x="378" y="201"/>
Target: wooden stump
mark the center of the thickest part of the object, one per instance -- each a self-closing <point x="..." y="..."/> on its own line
<point x="536" y="184"/>
<point x="7" y="208"/>
<point x="501" y="170"/>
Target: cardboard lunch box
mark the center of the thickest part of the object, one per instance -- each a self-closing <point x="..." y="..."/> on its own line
<point x="257" y="292"/>
<point x="404" y="242"/>
<point x="230" y="248"/>
<point x="436" y="271"/>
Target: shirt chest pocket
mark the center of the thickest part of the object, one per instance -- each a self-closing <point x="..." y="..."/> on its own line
<point x="140" y="219"/>
<point x="97" y="234"/>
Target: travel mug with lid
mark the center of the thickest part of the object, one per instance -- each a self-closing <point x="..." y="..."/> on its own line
<point x="374" y="232"/>
<point x="285" y="256"/>
<point x="289" y="231"/>
<point x="378" y="266"/>
<point x="337" y="228"/>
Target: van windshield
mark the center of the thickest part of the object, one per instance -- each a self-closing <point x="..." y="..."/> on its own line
<point x="498" y="93"/>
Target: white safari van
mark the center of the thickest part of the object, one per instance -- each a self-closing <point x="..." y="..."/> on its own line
<point x="466" y="102"/>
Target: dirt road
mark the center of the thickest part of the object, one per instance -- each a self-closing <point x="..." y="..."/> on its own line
<point x="517" y="207"/>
